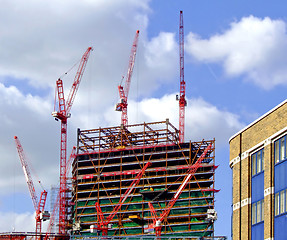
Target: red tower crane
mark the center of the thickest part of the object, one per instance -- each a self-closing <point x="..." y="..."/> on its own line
<point x="63" y="114"/>
<point x="102" y="222"/>
<point x="124" y="91"/>
<point x="182" y="101"/>
<point x="56" y="204"/>
<point x="38" y="205"/>
<point x="190" y="172"/>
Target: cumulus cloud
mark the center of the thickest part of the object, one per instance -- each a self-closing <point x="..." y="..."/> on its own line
<point x="27" y="117"/>
<point x="252" y="47"/>
<point x="40" y="42"/>
<point x="19" y="222"/>
<point x="207" y="121"/>
<point x="202" y="119"/>
<point x="23" y="222"/>
<point x="161" y="56"/>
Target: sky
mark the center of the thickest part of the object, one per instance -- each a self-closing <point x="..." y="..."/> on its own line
<point x="235" y="58"/>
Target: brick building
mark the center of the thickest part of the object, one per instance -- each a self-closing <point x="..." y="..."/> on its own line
<point x="258" y="159"/>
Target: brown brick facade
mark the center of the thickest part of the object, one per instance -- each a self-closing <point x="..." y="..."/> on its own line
<point x="257" y="135"/>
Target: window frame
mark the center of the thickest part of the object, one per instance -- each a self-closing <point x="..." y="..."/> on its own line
<point x="257" y="212"/>
<point x="280" y="203"/>
<point x="280" y="148"/>
<point x="257" y="162"/>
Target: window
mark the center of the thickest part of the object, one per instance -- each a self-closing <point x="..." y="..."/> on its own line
<point x="257" y="212"/>
<point x="280" y="202"/>
<point x="276" y="204"/>
<point x="280" y="150"/>
<point x="253" y="213"/>
<point x="257" y="162"/>
<point x="253" y="158"/>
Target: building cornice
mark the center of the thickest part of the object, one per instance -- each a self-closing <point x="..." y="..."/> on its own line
<point x="258" y="119"/>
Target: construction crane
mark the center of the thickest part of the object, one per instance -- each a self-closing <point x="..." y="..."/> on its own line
<point x="63" y="114"/>
<point x="103" y="224"/>
<point x="156" y="225"/>
<point x="39" y="206"/>
<point x="124" y="91"/>
<point x="181" y="98"/>
<point x="56" y="204"/>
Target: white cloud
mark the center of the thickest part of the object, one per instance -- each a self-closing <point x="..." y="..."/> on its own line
<point x="19" y="222"/>
<point x="41" y="40"/>
<point x="161" y="55"/>
<point x="202" y="119"/>
<point x="251" y="47"/>
<point x="28" y="118"/>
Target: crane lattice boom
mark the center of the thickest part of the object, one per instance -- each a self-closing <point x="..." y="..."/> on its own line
<point x="124" y="91"/>
<point x="38" y="205"/>
<point x="63" y="114"/>
<point x="27" y="172"/>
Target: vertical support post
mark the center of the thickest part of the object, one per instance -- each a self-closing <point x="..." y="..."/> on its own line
<point x="63" y="161"/>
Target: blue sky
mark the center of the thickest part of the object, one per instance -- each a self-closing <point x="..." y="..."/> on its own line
<point x="234" y="71"/>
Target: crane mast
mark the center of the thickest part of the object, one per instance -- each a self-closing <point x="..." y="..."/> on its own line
<point x="102" y="222"/>
<point x="182" y="100"/>
<point x="63" y="114"/>
<point x="38" y="205"/>
<point x="56" y="204"/>
<point x="124" y="91"/>
<point x="191" y="171"/>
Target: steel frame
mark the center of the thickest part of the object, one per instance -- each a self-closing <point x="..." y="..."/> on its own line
<point x="109" y="158"/>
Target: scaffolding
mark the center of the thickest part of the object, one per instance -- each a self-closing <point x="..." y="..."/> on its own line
<point x="108" y="160"/>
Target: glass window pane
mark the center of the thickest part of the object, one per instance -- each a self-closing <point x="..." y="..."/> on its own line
<point x="262" y="210"/>
<point x="282" y="201"/>
<point x="276" y="204"/>
<point x="276" y="150"/>
<point x="253" y="164"/>
<point x="258" y="208"/>
<point x="282" y="146"/>
<point x="258" y="165"/>
<point x="253" y="213"/>
<point x="259" y="162"/>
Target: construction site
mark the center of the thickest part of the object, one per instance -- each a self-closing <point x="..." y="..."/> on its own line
<point x="142" y="169"/>
<point x="133" y="180"/>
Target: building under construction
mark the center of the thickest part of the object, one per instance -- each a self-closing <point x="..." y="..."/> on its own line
<point x="105" y="189"/>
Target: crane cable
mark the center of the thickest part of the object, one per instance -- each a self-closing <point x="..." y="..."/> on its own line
<point x="70" y="69"/>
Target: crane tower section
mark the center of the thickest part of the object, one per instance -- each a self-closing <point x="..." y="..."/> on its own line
<point x="182" y="100"/>
<point x="63" y="114"/>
